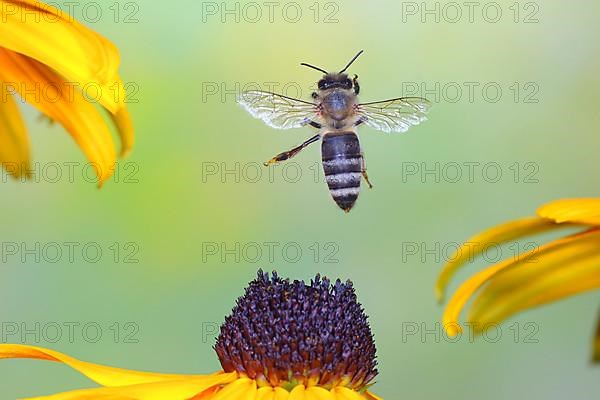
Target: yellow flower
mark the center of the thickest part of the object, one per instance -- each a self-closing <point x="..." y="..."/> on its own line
<point x="553" y="271"/>
<point x="283" y="341"/>
<point x="53" y="62"/>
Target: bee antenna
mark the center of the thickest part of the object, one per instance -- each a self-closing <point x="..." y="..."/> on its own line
<point x="351" y="61"/>
<point x="313" y="67"/>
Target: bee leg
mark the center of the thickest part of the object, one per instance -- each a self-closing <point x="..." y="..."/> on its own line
<point x="355" y="83"/>
<point x="364" y="173"/>
<point x="291" y="153"/>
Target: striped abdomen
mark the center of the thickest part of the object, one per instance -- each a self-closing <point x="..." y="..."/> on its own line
<point x="342" y="164"/>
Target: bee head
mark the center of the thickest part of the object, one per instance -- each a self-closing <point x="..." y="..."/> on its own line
<point x="335" y="80"/>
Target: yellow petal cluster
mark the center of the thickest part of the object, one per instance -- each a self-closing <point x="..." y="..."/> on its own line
<point x="61" y="68"/>
<point x="558" y="269"/>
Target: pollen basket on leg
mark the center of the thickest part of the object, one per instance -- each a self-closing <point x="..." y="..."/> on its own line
<point x="284" y="333"/>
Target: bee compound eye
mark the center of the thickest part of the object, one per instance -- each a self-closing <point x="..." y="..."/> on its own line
<point x="321" y="83"/>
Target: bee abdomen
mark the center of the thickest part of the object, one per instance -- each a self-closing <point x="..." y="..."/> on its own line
<point x="342" y="164"/>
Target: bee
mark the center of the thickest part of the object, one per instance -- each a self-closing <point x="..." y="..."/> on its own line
<point x="336" y="113"/>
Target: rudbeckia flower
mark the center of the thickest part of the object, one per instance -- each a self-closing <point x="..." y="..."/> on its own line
<point x="283" y="341"/>
<point x="60" y="67"/>
<point x="558" y="269"/>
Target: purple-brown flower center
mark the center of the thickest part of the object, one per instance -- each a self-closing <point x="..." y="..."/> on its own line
<point x="284" y="333"/>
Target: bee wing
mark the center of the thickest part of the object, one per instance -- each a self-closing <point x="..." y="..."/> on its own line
<point x="394" y="115"/>
<point x="278" y="111"/>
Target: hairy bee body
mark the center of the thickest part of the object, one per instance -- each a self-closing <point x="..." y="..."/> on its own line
<point x="343" y="166"/>
<point x="340" y="150"/>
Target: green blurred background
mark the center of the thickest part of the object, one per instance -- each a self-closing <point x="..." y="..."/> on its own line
<point x="174" y="209"/>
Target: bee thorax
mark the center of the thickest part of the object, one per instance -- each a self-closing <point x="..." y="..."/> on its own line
<point x="338" y="105"/>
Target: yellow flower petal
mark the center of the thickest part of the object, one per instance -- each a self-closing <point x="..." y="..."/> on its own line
<point x="318" y="393"/>
<point x="298" y="393"/>
<point x="240" y="389"/>
<point x="281" y="394"/>
<point x="81" y="395"/>
<point x="272" y="393"/>
<point x="53" y="96"/>
<point x="122" y="121"/>
<point x="52" y="37"/>
<point x="496" y="235"/>
<point x="265" y="393"/>
<point x="371" y="396"/>
<point x="466" y="290"/>
<point x="103" y="375"/>
<point x="182" y="389"/>
<point x="14" y="148"/>
<point x="207" y="394"/>
<point x="565" y="271"/>
<point x="582" y="211"/>
<point x="343" y="393"/>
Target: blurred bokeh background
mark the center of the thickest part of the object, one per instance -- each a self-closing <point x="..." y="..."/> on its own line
<point x="192" y="213"/>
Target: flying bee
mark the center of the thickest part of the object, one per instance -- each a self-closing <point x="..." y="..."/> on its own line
<point x="336" y="112"/>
